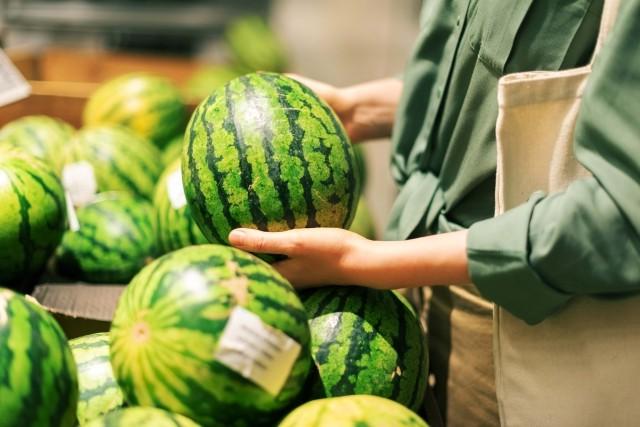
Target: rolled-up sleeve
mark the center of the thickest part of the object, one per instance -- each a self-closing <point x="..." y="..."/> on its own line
<point x="586" y="240"/>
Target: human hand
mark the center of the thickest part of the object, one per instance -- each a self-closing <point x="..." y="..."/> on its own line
<point x="367" y="111"/>
<point x="316" y="256"/>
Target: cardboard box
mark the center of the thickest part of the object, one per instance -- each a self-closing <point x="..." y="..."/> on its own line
<point x="79" y="308"/>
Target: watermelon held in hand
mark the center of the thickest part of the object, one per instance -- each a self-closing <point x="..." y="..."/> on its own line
<point x="352" y="411"/>
<point x="212" y="333"/>
<point x="114" y="241"/>
<point x="265" y="152"/>
<point x="104" y="159"/>
<point x="207" y="79"/>
<point x="33" y="217"/>
<point x="149" y="105"/>
<point x="40" y="136"/>
<point x="366" y="341"/>
<point x="99" y="392"/>
<point x="142" y="417"/>
<point x="38" y="381"/>
<point x="175" y="227"/>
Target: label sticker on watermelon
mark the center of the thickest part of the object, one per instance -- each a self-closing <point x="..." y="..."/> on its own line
<point x="80" y="181"/>
<point x="175" y="190"/>
<point x="257" y="351"/>
<point x="74" y="224"/>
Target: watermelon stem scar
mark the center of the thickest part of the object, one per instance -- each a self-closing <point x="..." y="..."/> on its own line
<point x="141" y="332"/>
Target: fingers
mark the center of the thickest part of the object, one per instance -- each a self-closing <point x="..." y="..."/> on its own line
<point x="256" y="241"/>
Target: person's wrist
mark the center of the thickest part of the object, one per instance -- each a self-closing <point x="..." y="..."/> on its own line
<point x="356" y="260"/>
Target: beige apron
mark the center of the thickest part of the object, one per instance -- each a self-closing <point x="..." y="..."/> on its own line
<point x="581" y="366"/>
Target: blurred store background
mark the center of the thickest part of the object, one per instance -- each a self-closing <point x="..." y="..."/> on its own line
<point x="66" y="47"/>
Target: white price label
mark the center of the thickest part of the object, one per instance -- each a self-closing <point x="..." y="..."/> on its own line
<point x="257" y="351"/>
<point x="13" y="87"/>
<point x="79" y="180"/>
<point x="175" y="190"/>
<point x="74" y="224"/>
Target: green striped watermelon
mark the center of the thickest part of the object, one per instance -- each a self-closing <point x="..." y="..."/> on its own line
<point x="109" y="159"/>
<point x="172" y="151"/>
<point x="207" y="79"/>
<point x="175" y="227"/>
<point x="172" y="336"/>
<point x="363" y="222"/>
<point x="265" y="152"/>
<point x="142" y="417"/>
<point x="41" y="136"/>
<point x="99" y="392"/>
<point x="38" y="382"/>
<point x="366" y="341"/>
<point x="32" y="217"/>
<point x="149" y="105"/>
<point x="352" y="411"/>
<point x="115" y="240"/>
<point x="254" y="46"/>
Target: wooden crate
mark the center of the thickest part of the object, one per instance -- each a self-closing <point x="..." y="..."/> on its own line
<point x="62" y="80"/>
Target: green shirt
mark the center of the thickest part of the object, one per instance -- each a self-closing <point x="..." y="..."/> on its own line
<point x="585" y="241"/>
<point x="444" y="138"/>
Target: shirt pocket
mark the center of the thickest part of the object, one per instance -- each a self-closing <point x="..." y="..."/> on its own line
<point x="493" y="27"/>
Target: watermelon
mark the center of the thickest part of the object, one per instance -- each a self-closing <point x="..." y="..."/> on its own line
<point x="172" y="335"/>
<point x="172" y="151"/>
<point x="114" y="241"/>
<point x="175" y="227"/>
<point x="363" y="222"/>
<point x="99" y="392"/>
<point x="41" y="136"/>
<point x="142" y="417"/>
<point x="254" y="46"/>
<point x="110" y="159"/>
<point x="149" y="105"/>
<point x="207" y="79"/>
<point x="265" y="152"/>
<point x="38" y="380"/>
<point x="353" y="411"/>
<point x="33" y="217"/>
<point x="366" y="341"/>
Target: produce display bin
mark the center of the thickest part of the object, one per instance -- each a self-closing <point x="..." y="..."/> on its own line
<point x="62" y="80"/>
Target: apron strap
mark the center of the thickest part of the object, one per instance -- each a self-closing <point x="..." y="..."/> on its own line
<point x="609" y="14"/>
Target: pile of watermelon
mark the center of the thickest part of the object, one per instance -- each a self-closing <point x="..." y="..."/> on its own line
<point x="204" y="334"/>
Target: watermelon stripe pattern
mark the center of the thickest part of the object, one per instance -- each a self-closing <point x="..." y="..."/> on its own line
<point x="366" y="341"/>
<point x="142" y="417"/>
<point x="352" y="411"/>
<point x="121" y="160"/>
<point x="265" y="152"/>
<point x="168" y="323"/>
<point x="38" y="381"/>
<point x="40" y="136"/>
<point x="115" y="239"/>
<point x="149" y="105"/>
<point x="175" y="226"/>
<point x="33" y="219"/>
<point x="99" y="392"/>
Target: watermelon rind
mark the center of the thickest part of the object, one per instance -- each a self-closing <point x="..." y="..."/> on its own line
<point x="168" y="325"/>
<point x="99" y="391"/>
<point x="38" y="379"/>
<point x="352" y="411"/>
<point x="142" y="417"/>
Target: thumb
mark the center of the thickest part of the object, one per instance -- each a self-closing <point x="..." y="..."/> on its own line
<point x="262" y="242"/>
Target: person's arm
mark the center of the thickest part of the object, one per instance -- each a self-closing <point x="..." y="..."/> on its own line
<point x="321" y="256"/>
<point x="366" y="110"/>
<point x="585" y="240"/>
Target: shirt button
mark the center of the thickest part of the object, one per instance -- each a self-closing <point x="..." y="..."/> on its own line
<point x="458" y="21"/>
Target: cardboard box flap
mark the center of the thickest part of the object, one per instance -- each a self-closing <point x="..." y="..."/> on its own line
<point x="96" y="302"/>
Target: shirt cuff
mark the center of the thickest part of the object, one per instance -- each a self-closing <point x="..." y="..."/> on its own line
<point x="497" y="250"/>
